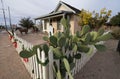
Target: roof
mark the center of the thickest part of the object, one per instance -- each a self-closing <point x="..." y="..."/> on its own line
<point x="59" y="13"/>
<point x="55" y="12"/>
<point x="71" y="7"/>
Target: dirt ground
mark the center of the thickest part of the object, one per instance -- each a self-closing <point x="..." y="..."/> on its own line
<point x="11" y="67"/>
<point x="103" y="65"/>
<point x="33" y="38"/>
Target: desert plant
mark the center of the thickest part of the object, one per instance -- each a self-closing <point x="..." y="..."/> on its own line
<point x="95" y="20"/>
<point x="115" y="20"/>
<point x="26" y="22"/>
<point x="2" y="27"/>
<point x="62" y="42"/>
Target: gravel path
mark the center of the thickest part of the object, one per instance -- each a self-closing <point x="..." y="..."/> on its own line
<point x="103" y="65"/>
<point x="11" y="66"/>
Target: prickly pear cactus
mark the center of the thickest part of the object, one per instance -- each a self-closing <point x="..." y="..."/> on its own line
<point x="62" y="42"/>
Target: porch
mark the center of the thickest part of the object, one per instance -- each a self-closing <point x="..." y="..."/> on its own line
<point x="54" y="19"/>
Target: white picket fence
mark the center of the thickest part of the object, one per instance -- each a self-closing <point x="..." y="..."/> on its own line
<point x="36" y="70"/>
<point x="46" y="72"/>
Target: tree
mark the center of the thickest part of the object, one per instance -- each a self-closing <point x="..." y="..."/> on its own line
<point x="101" y="18"/>
<point x="85" y="16"/>
<point x="26" y="22"/>
<point x="2" y="27"/>
<point x="95" y="20"/>
<point x="115" y="20"/>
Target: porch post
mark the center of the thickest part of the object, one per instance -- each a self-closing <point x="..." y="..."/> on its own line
<point x="43" y="25"/>
<point x="35" y="21"/>
<point x="64" y="15"/>
<point x="48" y="28"/>
<point x="62" y="25"/>
<point x="49" y="21"/>
<point x="68" y="17"/>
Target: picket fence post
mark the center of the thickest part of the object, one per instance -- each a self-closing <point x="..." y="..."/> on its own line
<point x="51" y="73"/>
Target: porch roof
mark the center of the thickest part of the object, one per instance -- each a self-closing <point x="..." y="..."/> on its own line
<point x="54" y="14"/>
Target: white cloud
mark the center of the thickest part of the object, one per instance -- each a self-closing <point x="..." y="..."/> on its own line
<point x="34" y="8"/>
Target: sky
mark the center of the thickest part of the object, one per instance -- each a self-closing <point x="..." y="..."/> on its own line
<point x="36" y="8"/>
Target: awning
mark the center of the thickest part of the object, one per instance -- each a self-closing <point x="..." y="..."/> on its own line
<point x="54" y="14"/>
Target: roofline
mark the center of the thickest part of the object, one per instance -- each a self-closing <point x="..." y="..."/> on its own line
<point x="49" y="17"/>
<point x="52" y="14"/>
<point x="73" y="10"/>
<point x="60" y="3"/>
<point x="57" y="6"/>
<point x="68" y="7"/>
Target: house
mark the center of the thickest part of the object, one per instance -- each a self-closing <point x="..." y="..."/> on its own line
<point x="62" y="10"/>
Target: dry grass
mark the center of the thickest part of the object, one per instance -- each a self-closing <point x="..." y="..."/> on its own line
<point x="116" y="32"/>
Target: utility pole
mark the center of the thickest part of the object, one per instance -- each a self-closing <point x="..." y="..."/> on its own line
<point x="4" y="15"/>
<point x="10" y="20"/>
<point x="9" y="17"/>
